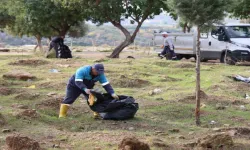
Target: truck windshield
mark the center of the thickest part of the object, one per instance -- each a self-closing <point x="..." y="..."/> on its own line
<point x="238" y="31"/>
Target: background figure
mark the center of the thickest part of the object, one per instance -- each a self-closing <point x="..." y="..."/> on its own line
<point x="55" y="43"/>
<point x="168" y="47"/>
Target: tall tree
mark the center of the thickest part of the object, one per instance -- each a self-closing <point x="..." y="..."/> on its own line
<point x="200" y="13"/>
<point x="240" y="9"/>
<point x="114" y="12"/>
<point x="42" y="18"/>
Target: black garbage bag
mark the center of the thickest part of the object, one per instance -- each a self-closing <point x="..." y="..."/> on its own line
<point x="64" y="52"/>
<point x="110" y="109"/>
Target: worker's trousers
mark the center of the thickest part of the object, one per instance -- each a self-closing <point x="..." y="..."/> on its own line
<point x="73" y="92"/>
<point x="167" y="51"/>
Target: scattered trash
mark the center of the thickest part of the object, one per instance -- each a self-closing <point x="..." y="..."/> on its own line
<point x="54" y="71"/>
<point x="131" y="128"/>
<point x="242" y="107"/>
<point x="29" y="80"/>
<point x="203" y="105"/>
<point x="155" y="91"/>
<point x="30" y="87"/>
<point x="241" y="78"/>
<point x="247" y="96"/>
<point x="213" y="122"/>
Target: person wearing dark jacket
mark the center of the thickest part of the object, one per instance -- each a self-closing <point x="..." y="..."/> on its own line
<point x="55" y="43"/>
<point x="82" y="82"/>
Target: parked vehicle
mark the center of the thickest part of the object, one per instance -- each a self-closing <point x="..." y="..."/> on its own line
<point x="229" y="43"/>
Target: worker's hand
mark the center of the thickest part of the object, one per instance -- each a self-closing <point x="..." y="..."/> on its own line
<point x="115" y="96"/>
<point x="162" y="46"/>
<point x="87" y="91"/>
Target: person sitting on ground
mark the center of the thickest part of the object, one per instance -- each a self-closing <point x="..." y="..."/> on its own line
<point x="55" y="43"/>
<point x="168" y="47"/>
<point x="82" y="82"/>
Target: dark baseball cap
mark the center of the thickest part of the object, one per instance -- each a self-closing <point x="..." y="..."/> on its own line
<point x="99" y="68"/>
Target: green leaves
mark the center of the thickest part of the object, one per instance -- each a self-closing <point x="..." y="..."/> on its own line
<point x="201" y="12"/>
<point x="240" y="8"/>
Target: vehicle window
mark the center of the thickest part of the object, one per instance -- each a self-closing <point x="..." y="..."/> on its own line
<point x="238" y="31"/>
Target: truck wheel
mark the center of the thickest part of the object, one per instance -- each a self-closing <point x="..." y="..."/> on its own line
<point x="228" y="59"/>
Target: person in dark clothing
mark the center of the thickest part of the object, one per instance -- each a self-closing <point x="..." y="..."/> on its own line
<point x="82" y="82"/>
<point x="168" y="47"/>
<point x="55" y="43"/>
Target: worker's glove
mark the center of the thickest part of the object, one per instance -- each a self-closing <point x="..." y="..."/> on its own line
<point x="87" y="91"/>
<point x="115" y="96"/>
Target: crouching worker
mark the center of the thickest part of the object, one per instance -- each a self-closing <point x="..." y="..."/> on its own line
<point x="55" y="43"/>
<point x="168" y="47"/>
<point x="81" y="83"/>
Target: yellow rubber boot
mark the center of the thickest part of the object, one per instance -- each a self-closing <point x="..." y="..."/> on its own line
<point x="96" y="115"/>
<point x="63" y="110"/>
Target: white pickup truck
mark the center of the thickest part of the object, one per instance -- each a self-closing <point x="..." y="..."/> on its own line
<point x="230" y="43"/>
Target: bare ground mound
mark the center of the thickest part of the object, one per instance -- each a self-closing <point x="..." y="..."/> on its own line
<point x="53" y="85"/>
<point x="126" y="82"/>
<point x="162" y="63"/>
<point x="27" y="96"/>
<point x="19" y="75"/>
<point x="28" y="113"/>
<point x="18" y="142"/>
<point x="52" y="102"/>
<point x="5" y="91"/>
<point x="132" y="143"/>
<point x="29" y="62"/>
<point x="169" y="79"/>
<point x="214" y="99"/>
<point x="185" y="65"/>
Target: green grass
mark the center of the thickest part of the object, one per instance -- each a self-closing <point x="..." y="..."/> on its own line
<point x="153" y="115"/>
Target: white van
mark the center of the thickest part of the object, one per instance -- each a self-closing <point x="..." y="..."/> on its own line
<point x="229" y="43"/>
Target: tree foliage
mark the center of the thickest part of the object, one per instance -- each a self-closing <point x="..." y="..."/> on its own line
<point x="240" y="9"/>
<point x="114" y="12"/>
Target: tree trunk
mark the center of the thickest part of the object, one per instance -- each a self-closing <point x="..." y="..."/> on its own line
<point x="129" y="39"/>
<point x="185" y="27"/>
<point x="188" y="29"/>
<point x="197" y="110"/>
<point x="39" y="43"/>
<point x="118" y="49"/>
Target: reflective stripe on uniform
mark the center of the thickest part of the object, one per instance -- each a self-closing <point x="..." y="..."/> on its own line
<point x="78" y="79"/>
<point x="106" y="83"/>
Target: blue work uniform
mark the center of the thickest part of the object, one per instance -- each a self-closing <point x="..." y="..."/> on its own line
<point x="82" y="80"/>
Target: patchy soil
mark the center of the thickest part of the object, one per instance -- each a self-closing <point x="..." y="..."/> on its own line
<point x="185" y="65"/>
<point x="2" y="120"/>
<point x="214" y="99"/>
<point x="132" y="143"/>
<point x="29" y="62"/>
<point x="162" y="63"/>
<point x="160" y="144"/>
<point x="5" y="91"/>
<point x="27" y="96"/>
<point x="53" y="85"/>
<point x="169" y="79"/>
<point x="18" y="142"/>
<point x="216" y="141"/>
<point x="27" y="114"/>
<point x="19" y="75"/>
<point x="126" y="82"/>
<point x="52" y="102"/>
